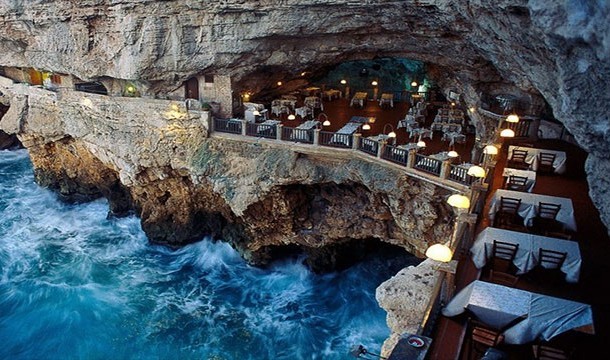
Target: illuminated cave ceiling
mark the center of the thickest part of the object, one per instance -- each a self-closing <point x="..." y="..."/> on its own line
<point x="559" y="50"/>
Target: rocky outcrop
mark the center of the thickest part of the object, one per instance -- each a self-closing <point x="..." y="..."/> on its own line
<point x="405" y="297"/>
<point x="156" y="157"/>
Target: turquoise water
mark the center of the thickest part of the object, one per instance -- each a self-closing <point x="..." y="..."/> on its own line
<point x="76" y="285"/>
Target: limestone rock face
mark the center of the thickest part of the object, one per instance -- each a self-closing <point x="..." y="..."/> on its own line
<point x="405" y="297"/>
<point x="156" y="158"/>
<point x="556" y="53"/>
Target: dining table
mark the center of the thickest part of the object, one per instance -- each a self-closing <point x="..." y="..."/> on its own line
<point x="527" y="256"/>
<point x="529" y="206"/>
<point x="522" y="316"/>
<point x="532" y="158"/>
<point x="359" y="99"/>
<point x="387" y="99"/>
<point x="529" y="174"/>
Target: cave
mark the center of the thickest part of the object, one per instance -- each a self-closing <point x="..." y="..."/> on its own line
<point x="533" y="58"/>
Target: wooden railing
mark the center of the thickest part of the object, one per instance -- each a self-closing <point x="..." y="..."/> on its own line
<point x="336" y="139"/>
<point x="395" y="155"/>
<point x="428" y="164"/>
<point x="377" y="149"/>
<point x="230" y="126"/>
<point x="298" y="135"/>
<point x="368" y="146"/>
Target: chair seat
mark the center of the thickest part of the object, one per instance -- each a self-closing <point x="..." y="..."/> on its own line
<point x="508" y="220"/>
<point x="542" y="226"/>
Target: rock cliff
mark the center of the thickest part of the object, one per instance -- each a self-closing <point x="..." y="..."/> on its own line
<point x="156" y="157"/>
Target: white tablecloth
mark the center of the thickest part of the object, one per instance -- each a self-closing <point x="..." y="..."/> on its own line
<point x="501" y="306"/>
<point x="532" y="157"/>
<point x="359" y="99"/>
<point x="527" y="254"/>
<point x="530" y="175"/>
<point x="529" y="206"/>
<point x="387" y="99"/>
<point x="303" y="112"/>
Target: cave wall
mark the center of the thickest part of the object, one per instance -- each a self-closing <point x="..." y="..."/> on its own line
<point x="558" y="51"/>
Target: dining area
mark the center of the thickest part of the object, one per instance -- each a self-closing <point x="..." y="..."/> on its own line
<point x="524" y="298"/>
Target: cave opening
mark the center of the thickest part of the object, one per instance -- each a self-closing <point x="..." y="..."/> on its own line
<point x="343" y="255"/>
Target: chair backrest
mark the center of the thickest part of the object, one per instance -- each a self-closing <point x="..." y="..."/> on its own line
<point x="545" y="352"/>
<point x="509" y="205"/>
<point x="516" y="182"/>
<point x="482" y="338"/>
<point x="546" y="159"/>
<point x="502" y="256"/>
<point x="548" y="210"/>
<point x="551" y="259"/>
<point x="518" y="155"/>
<point x="504" y="250"/>
<point x="486" y="336"/>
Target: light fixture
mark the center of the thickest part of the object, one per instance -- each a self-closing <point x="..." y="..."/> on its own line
<point x="256" y="113"/>
<point x="453" y="154"/>
<point x="512" y="118"/>
<point x="442" y="252"/>
<point x="490" y="150"/>
<point x="421" y="144"/>
<point x="439" y="252"/>
<point x="343" y="81"/>
<point x="507" y="133"/>
<point x="279" y="83"/>
<point x="391" y="134"/>
<point x="413" y="83"/>
<point x="374" y="83"/>
<point x="326" y="122"/>
<point x="291" y="117"/>
<point x="476" y="171"/>
<point x="303" y="73"/>
<point x="459" y="201"/>
<point x="472" y="109"/>
<point x="366" y="126"/>
<point x="452" y="104"/>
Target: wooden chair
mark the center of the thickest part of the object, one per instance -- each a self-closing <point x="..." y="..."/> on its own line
<point x="548" y="269"/>
<point x="500" y="267"/>
<point x="545" y="163"/>
<point x="507" y="216"/>
<point x="545" y="220"/>
<point x="517" y="183"/>
<point x="482" y="338"/>
<point x="546" y="352"/>
<point x="517" y="160"/>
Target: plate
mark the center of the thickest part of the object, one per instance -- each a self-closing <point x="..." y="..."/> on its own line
<point x="416" y="341"/>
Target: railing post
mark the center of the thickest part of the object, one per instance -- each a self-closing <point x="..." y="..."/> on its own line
<point x="445" y="169"/>
<point x="316" y="137"/>
<point x="244" y="124"/>
<point x="380" y="148"/>
<point x="477" y="191"/>
<point x="356" y="141"/>
<point x="278" y="134"/>
<point x="411" y="158"/>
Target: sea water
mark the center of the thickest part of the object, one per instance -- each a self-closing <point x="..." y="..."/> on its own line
<point x="77" y="285"/>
